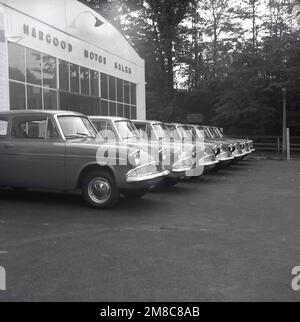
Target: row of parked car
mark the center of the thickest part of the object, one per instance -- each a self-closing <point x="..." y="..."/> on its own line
<point x="107" y="156"/>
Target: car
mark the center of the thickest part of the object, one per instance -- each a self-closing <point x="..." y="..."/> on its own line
<point x="222" y="153"/>
<point x="62" y="150"/>
<point x="248" y="143"/>
<point x="182" y="132"/>
<point x="181" y="159"/>
<point x="242" y="143"/>
<point x="234" y="146"/>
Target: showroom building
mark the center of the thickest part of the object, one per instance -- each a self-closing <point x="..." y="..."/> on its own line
<point x="60" y="54"/>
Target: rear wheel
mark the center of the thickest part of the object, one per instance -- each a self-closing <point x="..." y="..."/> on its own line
<point x="99" y="189"/>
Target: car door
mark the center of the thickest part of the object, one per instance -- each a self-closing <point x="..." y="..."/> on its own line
<point x="4" y="161"/>
<point x="36" y="153"/>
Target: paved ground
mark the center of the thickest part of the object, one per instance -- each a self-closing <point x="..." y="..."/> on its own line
<point x="234" y="235"/>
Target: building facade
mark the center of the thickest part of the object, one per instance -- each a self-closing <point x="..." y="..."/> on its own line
<point x="60" y="54"/>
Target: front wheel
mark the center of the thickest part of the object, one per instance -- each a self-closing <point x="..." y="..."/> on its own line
<point x="99" y="189"/>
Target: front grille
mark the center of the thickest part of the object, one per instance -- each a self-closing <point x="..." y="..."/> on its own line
<point x="147" y="169"/>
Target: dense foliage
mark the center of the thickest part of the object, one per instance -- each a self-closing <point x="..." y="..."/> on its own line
<point x="227" y="60"/>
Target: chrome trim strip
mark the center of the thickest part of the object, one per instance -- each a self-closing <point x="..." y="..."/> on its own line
<point x="147" y="177"/>
<point x="141" y="166"/>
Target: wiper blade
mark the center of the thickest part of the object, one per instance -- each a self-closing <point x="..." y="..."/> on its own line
<point x="79" y="136"/>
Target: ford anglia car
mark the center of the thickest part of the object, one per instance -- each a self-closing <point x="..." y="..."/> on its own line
<point x="181" y="161"/>
<point x="183" y="132"/>
<point x="124" y="130"/>
<point x="222" y="152"/>
<point x="63" y="151"/>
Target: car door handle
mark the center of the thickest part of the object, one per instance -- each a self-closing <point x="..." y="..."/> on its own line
<point x="9" y="145"/>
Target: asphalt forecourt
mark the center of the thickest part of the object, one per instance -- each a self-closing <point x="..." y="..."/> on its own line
<point x="227" y="236"/>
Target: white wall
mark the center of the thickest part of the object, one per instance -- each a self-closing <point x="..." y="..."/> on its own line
<point x="72" y="22"/>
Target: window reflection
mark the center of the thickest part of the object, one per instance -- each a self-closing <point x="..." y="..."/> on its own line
<point x="120" y="96"/>
<point x="133" y="113"/>
<point x="112" y="88"/>
<point x="112" y="109"/>
<point x="104" y="86"/>
<point x="33" y="67"/>
<point x="94" y="83"/>
<point x="17" y="96"/>
<point x="127" y="111"/>
<point x="49" y="71"/>
<point x="104" y="108"/>
<point x="126" y="92"/>
<point x="74" y="78"/>
<point x="85" y="80"/>
<point x="133" y="94"/>
<point x="64" y="75"/>
<point x="50" y="99"/>
<point x="16" y="57"/>
<point x="34" y="98"/>
<point x="120" y="110"/>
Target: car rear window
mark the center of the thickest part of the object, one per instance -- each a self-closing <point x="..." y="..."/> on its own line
<point x="3" y="128"/>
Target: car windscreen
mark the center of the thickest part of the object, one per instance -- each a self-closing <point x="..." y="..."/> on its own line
<point x="161" y="130"/>
<point x="207" y="134"/>
<point x="215" y="133"/>
<point x="127" y="129"/>
<point x="75" y="127"/>
<point x="200" y="133"/>
<point x="185" y="132"/>
<point x="220" y="133"/>
<point x="173" y="133"/>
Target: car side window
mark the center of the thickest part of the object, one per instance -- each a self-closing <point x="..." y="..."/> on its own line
<point x="3" y="128"/>
<point x="52" y="133"/>
<point x="35" y="128"/>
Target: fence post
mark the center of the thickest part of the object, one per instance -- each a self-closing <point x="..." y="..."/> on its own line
<point x="278" y="145"/>
<point x="288" y="146"/>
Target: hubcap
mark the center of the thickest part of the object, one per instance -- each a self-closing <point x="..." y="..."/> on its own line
<point x="99" y="190"/>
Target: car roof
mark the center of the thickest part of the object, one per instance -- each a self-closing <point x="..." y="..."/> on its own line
<point x="148" y="121"/>
<point x="110" y="118"/>
<point x="46" y="112"/>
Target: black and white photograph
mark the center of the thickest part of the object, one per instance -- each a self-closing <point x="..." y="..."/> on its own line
<point x="149" y="153"/>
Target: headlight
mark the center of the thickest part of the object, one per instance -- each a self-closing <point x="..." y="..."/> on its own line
<point x="135" y="158"/>
<point x="208" y="151"/>
<point x="194" y="153"/>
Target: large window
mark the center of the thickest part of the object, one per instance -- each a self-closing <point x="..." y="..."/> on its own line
<point x="32" y="79"/>
<point x="16" y="57"/>
<point x="34" y="98"/>
<point x="17" y="96"/>
<point x="85" y="81"/>
<point x="41" y="81"/>
<point x="94" y="83"/>
<point x="49" y="71"/>
<point x="74" y="78"/>
<point x="64" y="75"/>
<point x="33" y="67"/>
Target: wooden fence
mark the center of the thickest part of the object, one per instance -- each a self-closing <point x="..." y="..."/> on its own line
<point x="274" y="143"/>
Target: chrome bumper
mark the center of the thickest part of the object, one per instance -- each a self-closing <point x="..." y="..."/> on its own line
<point x="224" y="157"/>
<point x="147" y="177"/>
<point x="184" y="169"/>
<point x="206" y="162"/>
